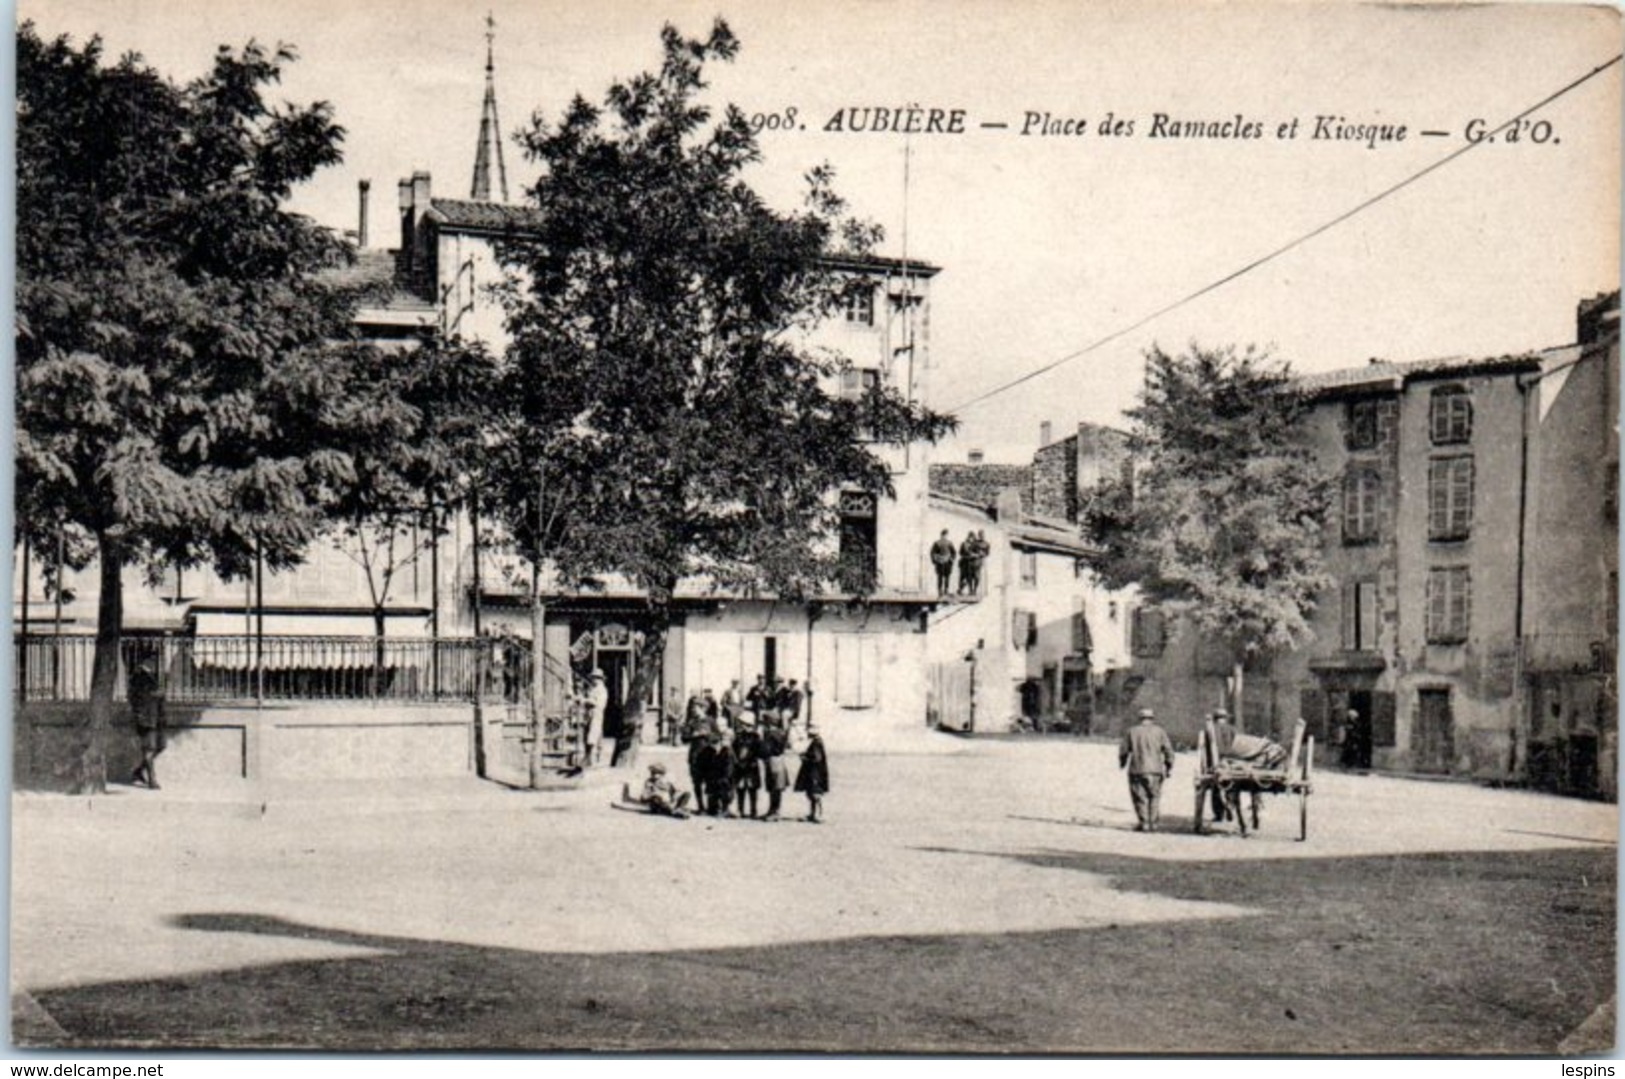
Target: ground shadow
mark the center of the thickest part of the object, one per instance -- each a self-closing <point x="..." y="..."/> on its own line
<point x="1469" y="953"/>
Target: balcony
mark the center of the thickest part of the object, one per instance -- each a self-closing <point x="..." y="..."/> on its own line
<point x="1570" y="653"/>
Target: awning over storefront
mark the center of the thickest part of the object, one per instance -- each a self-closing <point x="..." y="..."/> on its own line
<point x="315" y="639"/>
<point x="337" y="622"/>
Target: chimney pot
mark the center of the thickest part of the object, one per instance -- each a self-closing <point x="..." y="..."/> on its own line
<point x="1044" y="431"/>
<point x="364" y="187"/>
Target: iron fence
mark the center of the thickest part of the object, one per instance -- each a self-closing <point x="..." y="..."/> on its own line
<point x="224" y="668"/>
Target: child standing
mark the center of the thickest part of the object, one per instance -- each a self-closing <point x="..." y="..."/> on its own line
<point x="813" y="777"/>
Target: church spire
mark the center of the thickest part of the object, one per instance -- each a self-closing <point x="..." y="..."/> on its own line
<point x="490" y="128"/>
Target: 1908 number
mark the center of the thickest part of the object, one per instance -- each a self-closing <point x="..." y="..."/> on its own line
<point x="784" y="120"/>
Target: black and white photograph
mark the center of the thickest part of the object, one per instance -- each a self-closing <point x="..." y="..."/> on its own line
<point x="797" y="528"/>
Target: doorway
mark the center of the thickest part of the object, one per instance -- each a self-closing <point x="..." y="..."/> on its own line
<point x="1357" y="739"/>
<point x="1433" y="745"/>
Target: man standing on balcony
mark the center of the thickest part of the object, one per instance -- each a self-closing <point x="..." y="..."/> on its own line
<point x="942" y="560"/>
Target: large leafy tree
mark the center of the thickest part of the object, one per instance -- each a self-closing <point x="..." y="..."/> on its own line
<point x="670" y="419"/>
<point x="179" y="400"/>
<point x="1224" y="519"/>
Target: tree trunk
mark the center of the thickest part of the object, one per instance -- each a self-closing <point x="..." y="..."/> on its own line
<point x="92" y="773"/>
<point x="651" y="656"/>
<point x="378" y="656"/>
<point x="1236" y="683"/>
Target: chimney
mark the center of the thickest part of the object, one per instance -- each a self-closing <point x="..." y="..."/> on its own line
<point x="413" y="260"/>
<point x="974" y="457"/>
<point x="407" y="222"/>
<point x="361" y="232"/>
<point x="1044" y="429"/>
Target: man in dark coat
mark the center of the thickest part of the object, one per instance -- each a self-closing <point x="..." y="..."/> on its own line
<point x="747" y="766"/>
<point x="942" y="560"/>
<point x="774" y="745"/>
<point x="1148" y="754"/>
<point x="147" y="714"/>
<point x="812" y="779"/>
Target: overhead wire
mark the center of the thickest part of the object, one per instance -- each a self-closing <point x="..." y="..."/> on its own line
<point x="1291" y="244"/>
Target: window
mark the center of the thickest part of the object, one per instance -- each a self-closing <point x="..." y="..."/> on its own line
<point x="1360" y="616"/>
<point x="1362" y="496"/>
<point x="1450" y="498"/>
<point x="859" y="304"/>
<point x="1450" y="601"/>
<point x="859" y="563"/>
<point x="1082" y="639"/>
<point x="1029" y="569"/>
<point x="1360" y="432"/>
<point x="857" y="670"/>
<point x="1147" y="632"/>
<point x="859" y="382"/>
<point x="1023" y="628"/>
<point x="1450" y="416"/>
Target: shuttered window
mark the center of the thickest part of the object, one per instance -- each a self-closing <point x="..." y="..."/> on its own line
<point x="1450" y="416"/>
<point x="1450" y="498"/>
<point x="1360" y="616"/>
<point x="1450" y="601"/>
<point x="1147" y="632"/>
<point x="1023" y="628"/>
<point x="857" y="670"/>
<point x="1362" y="501"/>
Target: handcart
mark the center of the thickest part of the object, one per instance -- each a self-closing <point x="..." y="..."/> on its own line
<point x="1222" y="781"/>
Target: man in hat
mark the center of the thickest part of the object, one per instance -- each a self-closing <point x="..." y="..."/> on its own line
<point x="597" y="703"/>
<point x="1148" y="754"/>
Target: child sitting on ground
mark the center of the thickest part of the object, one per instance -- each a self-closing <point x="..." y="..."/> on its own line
<point x="659" y="795"/>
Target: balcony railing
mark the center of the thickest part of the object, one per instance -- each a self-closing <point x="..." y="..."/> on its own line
<point x="222" y="668"/>
<point x="1570" y="653"/>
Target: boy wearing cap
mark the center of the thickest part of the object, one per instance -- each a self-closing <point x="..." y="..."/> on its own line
<point x="1148" y="754"/>
<point x="660" y="795"/>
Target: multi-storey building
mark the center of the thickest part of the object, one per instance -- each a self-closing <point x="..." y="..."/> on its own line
<point x="1474" y="543"/>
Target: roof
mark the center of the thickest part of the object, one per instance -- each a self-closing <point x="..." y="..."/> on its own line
<point x="1030" y="533"/>
<point x="1386" y="375"/>
<point x="881" y="264"/>
<point x="474" y="216"/>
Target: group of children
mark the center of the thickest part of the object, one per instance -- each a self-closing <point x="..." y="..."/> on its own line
<point x="736" y="749"/>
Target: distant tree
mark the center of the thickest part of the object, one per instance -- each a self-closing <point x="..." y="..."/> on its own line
<point x="1224" y="518"/>
<point x="669" y="418"/>
<point x="422" y="429"/>
<point x="178" y="401"/>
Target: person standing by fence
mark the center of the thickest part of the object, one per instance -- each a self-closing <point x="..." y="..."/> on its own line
<point x="147" y="715"/>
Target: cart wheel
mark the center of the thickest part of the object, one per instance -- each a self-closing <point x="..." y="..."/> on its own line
<point x="1303" y="815"/>
<point x="1201" y="804"/>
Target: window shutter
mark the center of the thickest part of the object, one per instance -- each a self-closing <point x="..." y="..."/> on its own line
<point x="1351" y="623"/>
<point x="1461" y="496"/>
<point x="1312" y="706"/>
<point x="1461" y="614"/>
<point x="1367" y="602"/>
<point x="1438" y="500"/>
<point x="1382" y="718"/>
<point x="1435" y="606"/>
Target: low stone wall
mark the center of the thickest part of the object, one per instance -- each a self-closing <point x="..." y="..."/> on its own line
<point x="221" y="743"/>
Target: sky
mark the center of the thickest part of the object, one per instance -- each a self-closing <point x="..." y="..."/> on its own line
<point x="1049" y="243"/>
